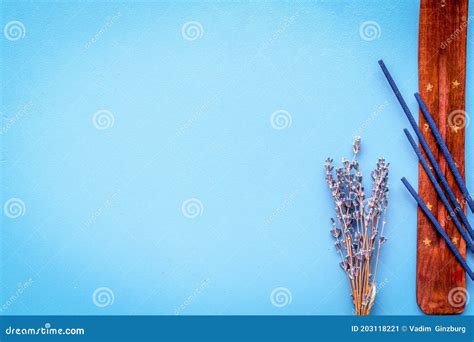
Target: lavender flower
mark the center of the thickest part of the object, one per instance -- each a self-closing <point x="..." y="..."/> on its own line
<point x="356" y="145"/>
<point x="359" y="224"/>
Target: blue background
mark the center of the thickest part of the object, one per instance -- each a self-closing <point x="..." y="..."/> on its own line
<point x="192" y="119"/>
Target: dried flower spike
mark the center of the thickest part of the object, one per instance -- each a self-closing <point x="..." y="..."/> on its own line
<point x="356" y="145"/>
<point x="359" y="224"/>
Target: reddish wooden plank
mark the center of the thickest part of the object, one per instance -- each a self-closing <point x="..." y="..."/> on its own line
<point x="442" y="76"/>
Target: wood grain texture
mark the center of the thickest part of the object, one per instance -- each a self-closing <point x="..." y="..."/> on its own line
<point x="442" y="76"/>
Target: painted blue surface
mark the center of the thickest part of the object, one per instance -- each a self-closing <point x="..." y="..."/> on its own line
<point x="192" y="119"/>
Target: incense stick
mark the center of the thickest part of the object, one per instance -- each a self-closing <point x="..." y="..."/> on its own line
<point x="424" y="144"/>
<point x="438" y="227"/>
<point x="436" y="185"/>
<point x="449" y="159"/>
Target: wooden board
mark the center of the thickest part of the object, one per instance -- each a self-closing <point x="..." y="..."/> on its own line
<point x="442" y="76"/>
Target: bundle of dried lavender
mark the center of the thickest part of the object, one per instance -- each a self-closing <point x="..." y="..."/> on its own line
<point x="359" y="224"/>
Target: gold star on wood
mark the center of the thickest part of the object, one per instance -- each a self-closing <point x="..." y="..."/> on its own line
<point x="429" y="206"/>
<point x="455" y="83"/>
<point x="429" y="87"/>
<point x="455" y="240"/>
<point x="427" y="242"/>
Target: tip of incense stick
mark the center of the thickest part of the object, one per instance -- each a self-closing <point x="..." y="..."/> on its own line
<point x="418" y="98"/>
<point x="408" y="135"/>
<point x="408" y="185"/>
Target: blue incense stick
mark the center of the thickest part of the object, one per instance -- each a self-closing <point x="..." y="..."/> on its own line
<point x="438" y="227"/>
<point x="440" y="192"/>
<point x="424" y="144"/>
<point x="446" y="153"/>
